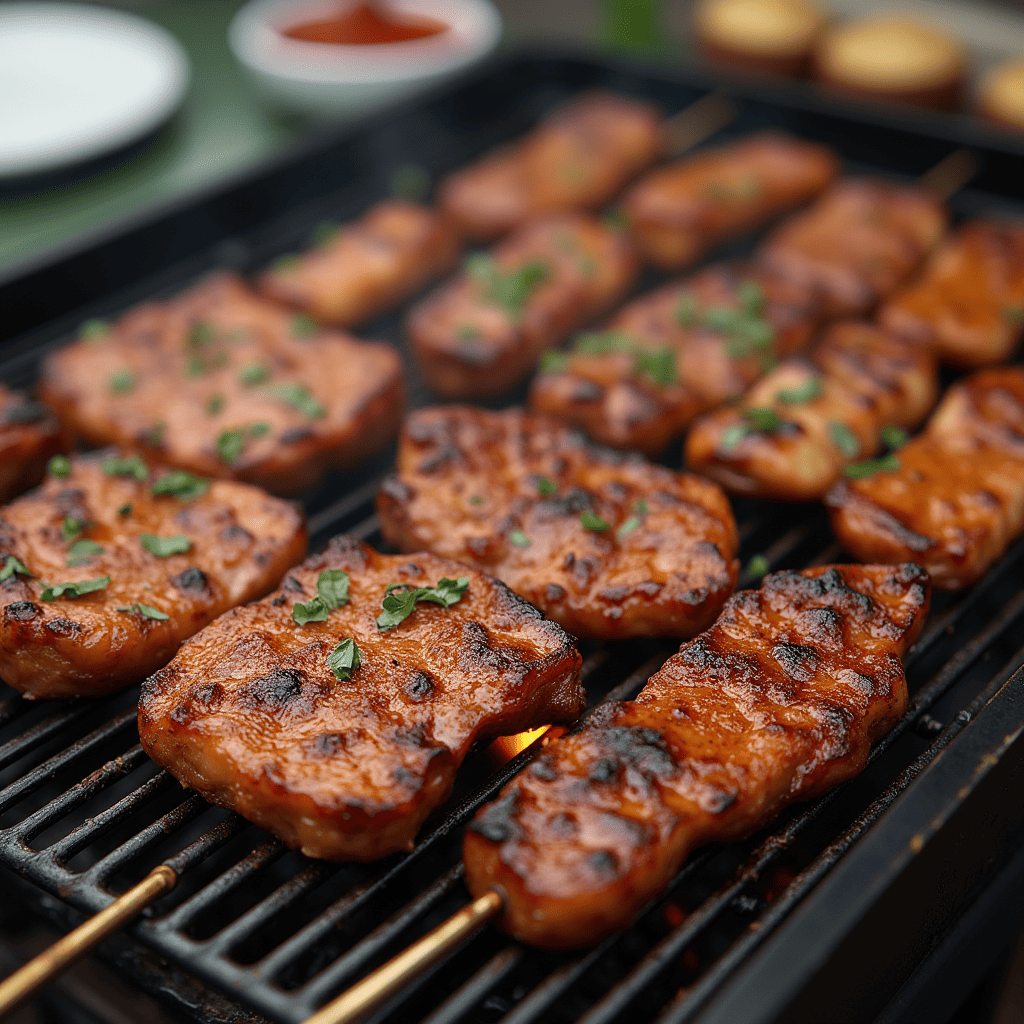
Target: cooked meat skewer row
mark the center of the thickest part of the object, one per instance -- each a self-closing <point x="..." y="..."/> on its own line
<point x="114" y="561"/>
<point x="779" y="701"/>
<point x="814" y="417"/>
<point x="360" y="269"/>
<point x="610" y="546"/>
<point x="482" y="333"/>
<point x="953" y="497"/>
<point x="341" y="734"/>
<point x="577" y="159"/>
<point x="675" y="352"/>
<point x="29" y="435"/>
<point x="968" y="302"/>
<point x="221" y="382"/>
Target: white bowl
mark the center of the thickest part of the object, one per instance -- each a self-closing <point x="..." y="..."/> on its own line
<point x="327" y="79"/>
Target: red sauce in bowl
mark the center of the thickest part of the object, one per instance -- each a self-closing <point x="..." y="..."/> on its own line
<point x="365" y="24"/>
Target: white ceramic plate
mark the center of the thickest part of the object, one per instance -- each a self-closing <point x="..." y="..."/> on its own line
<point x="77" y="82"/>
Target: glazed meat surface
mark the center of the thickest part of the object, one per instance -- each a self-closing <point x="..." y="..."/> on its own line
<point x="29" y="435"/>
<point x="858" y="242"/>
<point x="678" y="212"/>
<point x="578" y="159"/>
<point x="482" y="333"/>
<point x="609" y="546"/>
<point x="953" y="498"/>
<point x="968" y="303"/>
<point x="161" y="554"/>
<point x="779" y="701"/>
<point x="346" y="764"/>
<point x="674" y="353"/>
<point x="362" y="268"/>
<point x="812" y="418"/>
<point x="223" y="383"/>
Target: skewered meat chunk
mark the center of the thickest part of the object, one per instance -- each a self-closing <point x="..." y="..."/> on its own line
<point x="223" y="383"/>
<point x="343" y="754"/>
<point x="608" y="545"/>
<point x="968" y="303"/>
<point x="953" y="497"/>
<point x="858" y="242"/>
<point x="29" y="435"/>
<point x="678" y="212"/>
<point x="481" y="333"/>
<point x="812" y="417"/>
<point x="674" y="353"/>
<point x="394" y="249"/>
<point x="115" y="560"/>
<point x="578" y="159"/>
<point x="779" y="701"/>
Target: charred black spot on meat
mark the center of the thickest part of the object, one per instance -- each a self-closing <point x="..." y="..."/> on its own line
<point x="70" y="502"/>
<point x="574" y="502"/>
<point x="22" y="611"/>
<point x="327" y="744"/>
<point x="419" y="688"/>
<point x="822" y="624"/>
<point x="235" y="534"/>
<point x="604" y="771"/>
<point x="585" y="391"/>
<point x="543" y="769"/>
<point x="497" y="821"/>
<point x="181" y="715"/>
<point x="564" y="826"/>
<point x="396" y="489"/>
<point x="604" y="862"/>
<point x="296" y="434"/>
<point x="192" y="580"/>
<point x="640" y="748"/>
<point x="649" y="588"/>
<point x="410" y="569"/>
<point x="614" y="594"/>
<point x="554" y="593"/>
<point x="719" y="800"/>
<point x="797" y="661"/>
<point x="584" y="570"/>
<point x="23" y="413"/>
<point x="293" y="585"/>
<point x="439" y="458"/>
<point x="278" y="687"/>
<point x="207" y="693"/>
<point x="64" y="627"/>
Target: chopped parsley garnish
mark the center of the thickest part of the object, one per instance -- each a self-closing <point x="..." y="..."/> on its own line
<point x="76" y="588"/>
<point x="81" y="551"/>
<point x="11" y="566"/>
<point x="1014" y="315"/>
<point x="287" y="264"/>
<point x="750" y="296"/>
<point x="635" y="520"/>
<point x="253" y="373"/>
<point x="519" y="539"/>
<point x="475" y="499"/>
<point x="686" y="310"/>
<point x="324" y="233"/>
<point x="763" y="420"/>
<point x="304" y="326"/>
<point x="758" y="566"/>
<point x="895" y="437"/>
<point x="747" y="332"/>
<point x="130" y="466"/>
<point x="214" y="404"/>
<point x="145" y="610"/>
<point x="886" y="464"/>
<point x="844" y="439"/>
<point x="546" y="486"/>
<point x="553" y="361"/>
<point x="125" y="510"/>
<point x="594" y="523"/>
<point x="617" y="220"/>
<point x="154" y="437"/>
<point x="732" y="435"/>
<point x="200" y="333"/>
<point x="344" y="659"/>
<point x="183" y="485"/>
<point x="164" y="547"/>
<point x="467" y="332"/>
<point x="806" y="392"/>
<point x="410" y="182"/>
<point x="231" y="443"/>
<point x="94" y="331"/>
<point x="510" y="289"/>
<point x="299" y="397"/>
<point x="59" y="466"/>
<point x="70" y="528"/>
<point x="331" y="592"/>
<point x="400" y="599"/>
<point x="122" y="382"/>
<point x="658" y="364"/>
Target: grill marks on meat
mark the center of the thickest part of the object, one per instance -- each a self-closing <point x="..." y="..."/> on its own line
<point x="866" y="380"/>
<point x="250" y="715"/>
<point x="779" y="701"/>
<point x="577" y="159"/>
<point x="676" y="213"/>
<point x="968" y="303"/>
<point x="388" y="254"/>
<point x="220" y="382"/>
<point x="482" y="333"/>
<point x="84" y="646"/>
<point x="957" y="499"/>
<point x="29" y="436"/>
<point x="469" y="487"/>
<point x="858" y="242"/>
<point x="715" y="357"/>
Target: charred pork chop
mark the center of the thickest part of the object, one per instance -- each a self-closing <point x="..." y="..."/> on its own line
<point x="29" y="435"/>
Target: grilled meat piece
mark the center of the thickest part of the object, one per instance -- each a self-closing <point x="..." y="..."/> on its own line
<point x="481" y="333"/>
<point x="678" y="212"/>
<point x="155" y="555"/>
<point x="346" y="764"/>
<point x="968" y="303"/>
<point x="221" y="382"/>
<point x="674" y="353"/>
<point x="858" y="242"/>
<point x="799" y="427"/>
<point x="29" y="435"/>
<point x="388" y="254"/>
<point x="953" y="498"/>
<point x="608" y="545"/>
<point x="577" y="159"/>
<point x="779" y="701"/>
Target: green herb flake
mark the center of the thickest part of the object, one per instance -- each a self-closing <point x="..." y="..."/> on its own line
<point x="154" y="436"/>
<point x="546" y="486"/>
<point x="130" y="466"/>
<point x="762" y="420"/>
<point x="805" y="392"/>
<point x="616" y="220"/>
<point x="286" y="265"/>
<point x="894" y="437"/>
<point x="145" y="610"/>
<point x="628" y="526"/>
<point x="519" y="539"/>
<point x="757" y="566"/>
<point x="304" y="326"/>
<point x="122" y="382"/>
<point x="215" y="404"/>
<point x="70" y="528"/>
<point x="750" y="296"/>
<point x="659" y="366"/>
<point x="553" y="361"/>
<point x="59" y="466"/>
<point x="253" y="373"/>
<point x="844" y="439"/>
<point x="731" y="436"/>
<point x="94" y="331"/>
<point x="125" y="510"/>
<point x="592" y="522"/>
<point x="475" y="499"/>
<point x="886" y="464"/>
<point x="81" y="551"/>
<point x="410" y="182"/>
<point x="1014" y="315"/>
<point x="400" y="599"/>
<point x="510" y="289"/>
<point x="164" y="547"/>
<point x="467" y="332"/>
<point x="324" y="233"/>
<point x="200" y="333"/>
<point x="300" y="398"/>
<point x="181" y="484"/>
<point x="344" y="659"/>
<point x="75" y="588"/>
<point x="231" y="443"/>
<point x="11" y="566"/>
<point x="331" y="592"/>
<point x="686" y="311"/>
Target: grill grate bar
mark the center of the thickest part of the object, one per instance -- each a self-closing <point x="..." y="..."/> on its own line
<point x="38" y="733"/>
<point x="330" y="519"/>
<point x="472" y="991"/>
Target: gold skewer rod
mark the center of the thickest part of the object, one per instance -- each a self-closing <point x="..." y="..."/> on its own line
<point x="697" y="122"/>
<point x="63" y="953"/>
<point x="951" y="173"/>
<point x="378" y="987"/>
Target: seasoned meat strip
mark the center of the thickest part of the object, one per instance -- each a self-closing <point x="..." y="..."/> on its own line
<point x="676" y="213"/>
<point x="577" y="159"/>
<point x="675" y="352"/>
<point x="800" y="427"/>
<point x="953" y="498"/>
<point x="968" y="303"/>
<point x="481" y="333"/>
<point x="114" y="560"/>
<point x="362" y="268"/>
<point x="29" y="435"/>
<point x="779" y="701"/>
<point x="608" y="545"/>
<point x="858" y="242"/>
<point x="221" y="382"/>
<point x="345" y="759"/>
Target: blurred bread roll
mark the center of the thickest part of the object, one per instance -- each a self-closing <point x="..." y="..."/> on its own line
<point x="1000" y="95"/>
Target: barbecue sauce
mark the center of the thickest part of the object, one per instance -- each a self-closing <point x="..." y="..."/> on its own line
<point x="365" y="24"/>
